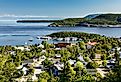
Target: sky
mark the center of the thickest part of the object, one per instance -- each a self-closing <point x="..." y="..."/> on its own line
<point x="58" y="7"/>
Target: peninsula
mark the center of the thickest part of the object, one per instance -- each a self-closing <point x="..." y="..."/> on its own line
<point x="36" y="21"/>
<point x="94" y="20"/>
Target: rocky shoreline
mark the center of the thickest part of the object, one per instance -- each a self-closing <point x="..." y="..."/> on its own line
<point x="87" y="25"/>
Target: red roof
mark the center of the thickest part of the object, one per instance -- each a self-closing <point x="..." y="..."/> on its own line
<point x="92" y="43"/>
<point x="62" y="44"/>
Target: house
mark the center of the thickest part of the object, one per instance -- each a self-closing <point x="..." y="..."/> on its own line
<point x="90" y="44"/>
<point x="81" y="58"/>
<point x="97" y="56"/>
<point x="72" y="62"/>
<point x="119" y="54"/>
<point x="73" y="38"/>
<point x="41" y="46"/>
<point x="57" y="56"/>
<point x="103" y="71"/>
<point x="61" y="45"/>
<point x="22" y="79"/>
<point x="24" y="69"/>
<point x="12" y="53"/>
<point x="111" y="64"/>
<point x="43" y="51"/>
<point x="37" y="71"/>
<point x="19" y="67"/>
<point x="26" y="48"/>
<point x="60" y="39"/>
<point x="59" y="66"/>
<point x="67" y="38"/>
<point x="20" y="48"/>
<point x="117" y="48"/>
<point x="58" y="49"/>
<point x="34" y="78"/>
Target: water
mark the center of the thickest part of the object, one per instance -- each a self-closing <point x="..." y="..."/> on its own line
<point x="18" y="35"/>
<point x="12" y="33"/>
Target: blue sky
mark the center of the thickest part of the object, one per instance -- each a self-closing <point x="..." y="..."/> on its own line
<point x="58" y="7"/>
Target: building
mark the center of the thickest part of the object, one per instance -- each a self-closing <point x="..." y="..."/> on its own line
<point x="61" y="45"/>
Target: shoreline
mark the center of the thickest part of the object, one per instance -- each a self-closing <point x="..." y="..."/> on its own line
<point x="89" y="25"/>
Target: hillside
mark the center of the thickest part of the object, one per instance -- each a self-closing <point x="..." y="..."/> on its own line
<point x="75" y="34"/>
<point x="96" y="20"/>
<point x="109" y="17"/>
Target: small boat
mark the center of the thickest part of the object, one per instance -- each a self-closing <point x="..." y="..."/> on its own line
<point x="46" y="38"/>
<point x="38" y="37"/>
<point x="30" y="40"/>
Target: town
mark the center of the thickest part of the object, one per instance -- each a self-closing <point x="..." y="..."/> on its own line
<point x="90" y="58"/>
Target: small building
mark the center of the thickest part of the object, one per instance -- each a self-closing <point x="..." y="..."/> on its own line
<point x="67" y="38"/>
<point x="119" y="54"/>
<point x="60" y="39"/>
<point x="61" y="45"/>
<point x="57" y="56"/>
<point x="72" y="62"/>
<point x="90" y="44"/>
<point x="111" y="64"/>
<point x="73" y="38"/>
<point x="41" y="46"/>
<point x="81" y="58"/>
<point x="97" y="56"/>
<point x="20" y="48"/>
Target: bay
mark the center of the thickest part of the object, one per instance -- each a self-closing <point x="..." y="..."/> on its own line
<point x="18" y="35"/>
<point x="12" y="33"/>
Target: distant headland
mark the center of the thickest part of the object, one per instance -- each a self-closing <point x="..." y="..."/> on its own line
<point x="93" y="20"/>
<point x="36" y="21"/>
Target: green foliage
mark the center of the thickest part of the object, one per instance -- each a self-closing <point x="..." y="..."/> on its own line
<point x="82" y="45"/>
<point x="113" y="76"/>
<point x="75" y="34"/>
<point x="79" y="65"/>
<point x="44" y="77"/>
<point x="86" y="78"/>
<point x="69" y="73"/>
<point x="104" y="63"/>
<point x="103" y="19"/>
<point x="92" y="65"/>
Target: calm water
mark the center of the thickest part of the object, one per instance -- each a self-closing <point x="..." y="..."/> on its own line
<point x="18" y="35"/>
<point x="12" y="33"/>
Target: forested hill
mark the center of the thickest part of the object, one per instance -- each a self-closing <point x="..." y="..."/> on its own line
<point x="109" y="17"/>
<point x="100" y="20"/>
